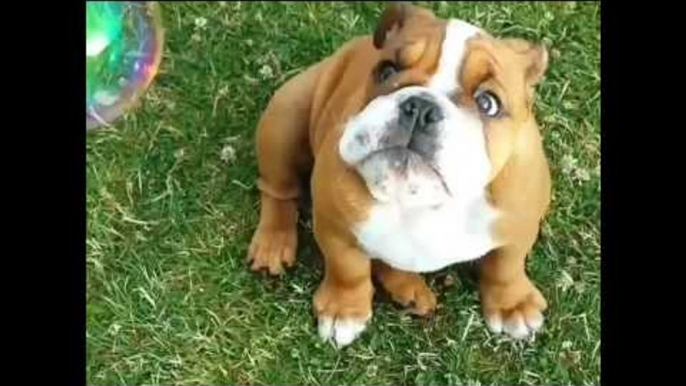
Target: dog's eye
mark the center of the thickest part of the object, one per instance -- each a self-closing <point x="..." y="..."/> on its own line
<point x="488" y="104"/>
<point x="385" y="71"/>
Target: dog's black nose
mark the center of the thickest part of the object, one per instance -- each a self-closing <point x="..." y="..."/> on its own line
<point x="417" y="113"/>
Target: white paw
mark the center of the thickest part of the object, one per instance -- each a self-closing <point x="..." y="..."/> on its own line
<point x="517" y="326"/>
<point x="342" y="331"/>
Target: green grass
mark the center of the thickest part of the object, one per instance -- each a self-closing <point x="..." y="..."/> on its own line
<point x="172" y="206"/>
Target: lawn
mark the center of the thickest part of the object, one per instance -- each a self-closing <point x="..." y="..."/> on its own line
<point x="172" y="205"/>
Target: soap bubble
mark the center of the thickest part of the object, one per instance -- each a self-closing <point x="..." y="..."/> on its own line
<point x="123" y="51"/>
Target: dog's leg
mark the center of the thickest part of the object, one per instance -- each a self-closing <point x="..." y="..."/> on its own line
<point x="406" y="288"/>
<point x="283" y="153"/>
<point x="510" y="302"/>
<point x="343" y="301"/>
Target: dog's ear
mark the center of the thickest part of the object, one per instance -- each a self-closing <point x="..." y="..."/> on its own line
<point x="392" y="20"/>
<point x="535" y="58"/>
<point x="538" y="63"/>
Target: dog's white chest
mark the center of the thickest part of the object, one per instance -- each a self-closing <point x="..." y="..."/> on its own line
<point x="428" y="239"/>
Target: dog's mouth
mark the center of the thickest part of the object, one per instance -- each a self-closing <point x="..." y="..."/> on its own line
<point x="402" y="163"/>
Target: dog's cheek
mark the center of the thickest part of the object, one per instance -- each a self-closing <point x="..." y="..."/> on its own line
<point x="499" y="143"/>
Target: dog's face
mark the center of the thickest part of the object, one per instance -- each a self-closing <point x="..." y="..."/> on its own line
<point x="445" y="104"/>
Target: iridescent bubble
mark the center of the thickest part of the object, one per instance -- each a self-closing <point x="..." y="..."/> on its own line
<point x="123" y="51"/>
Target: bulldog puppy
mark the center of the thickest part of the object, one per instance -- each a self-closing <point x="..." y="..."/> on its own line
<point x="423" y="152"/>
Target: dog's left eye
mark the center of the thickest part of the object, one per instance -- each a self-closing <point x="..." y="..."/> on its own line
<point x="488" y="104"/>
<point x="386" y="70"/>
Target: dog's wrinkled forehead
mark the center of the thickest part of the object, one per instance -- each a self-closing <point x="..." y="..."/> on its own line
<point x="429" y="50"/>
<point x="453" y="52"/>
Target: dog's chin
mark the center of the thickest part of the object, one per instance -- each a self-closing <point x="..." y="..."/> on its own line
<point x="403" y="175"/>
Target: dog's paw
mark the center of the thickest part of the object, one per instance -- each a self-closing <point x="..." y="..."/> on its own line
<point x="342" y="313"/>
<point x="413" y="293"/>
<point x="272" y="250"/>
<point x="515" y="309"/>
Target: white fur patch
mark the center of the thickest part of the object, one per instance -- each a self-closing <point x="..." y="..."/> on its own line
<point x="495" y="323"/>
<point x="341" y="331"/>
<point x="428" y="239"/>
<point x="517" y="327"/>
<point x="364" y="131"/>
<point x="452" y="52"/>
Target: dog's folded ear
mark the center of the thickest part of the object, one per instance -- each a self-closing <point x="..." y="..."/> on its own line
<point x="535" y="58"/>
<point x="538" y="56"/>
<point x="393" y="19"/>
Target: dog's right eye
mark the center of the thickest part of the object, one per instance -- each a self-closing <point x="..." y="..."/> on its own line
<point x="488" y="103"/>
<point x="385" y="71"/>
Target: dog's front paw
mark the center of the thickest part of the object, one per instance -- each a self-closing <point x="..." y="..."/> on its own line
<point x="514" y="308"/>
<point x="271" y="250"/>
<point x="342" y="313"/>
